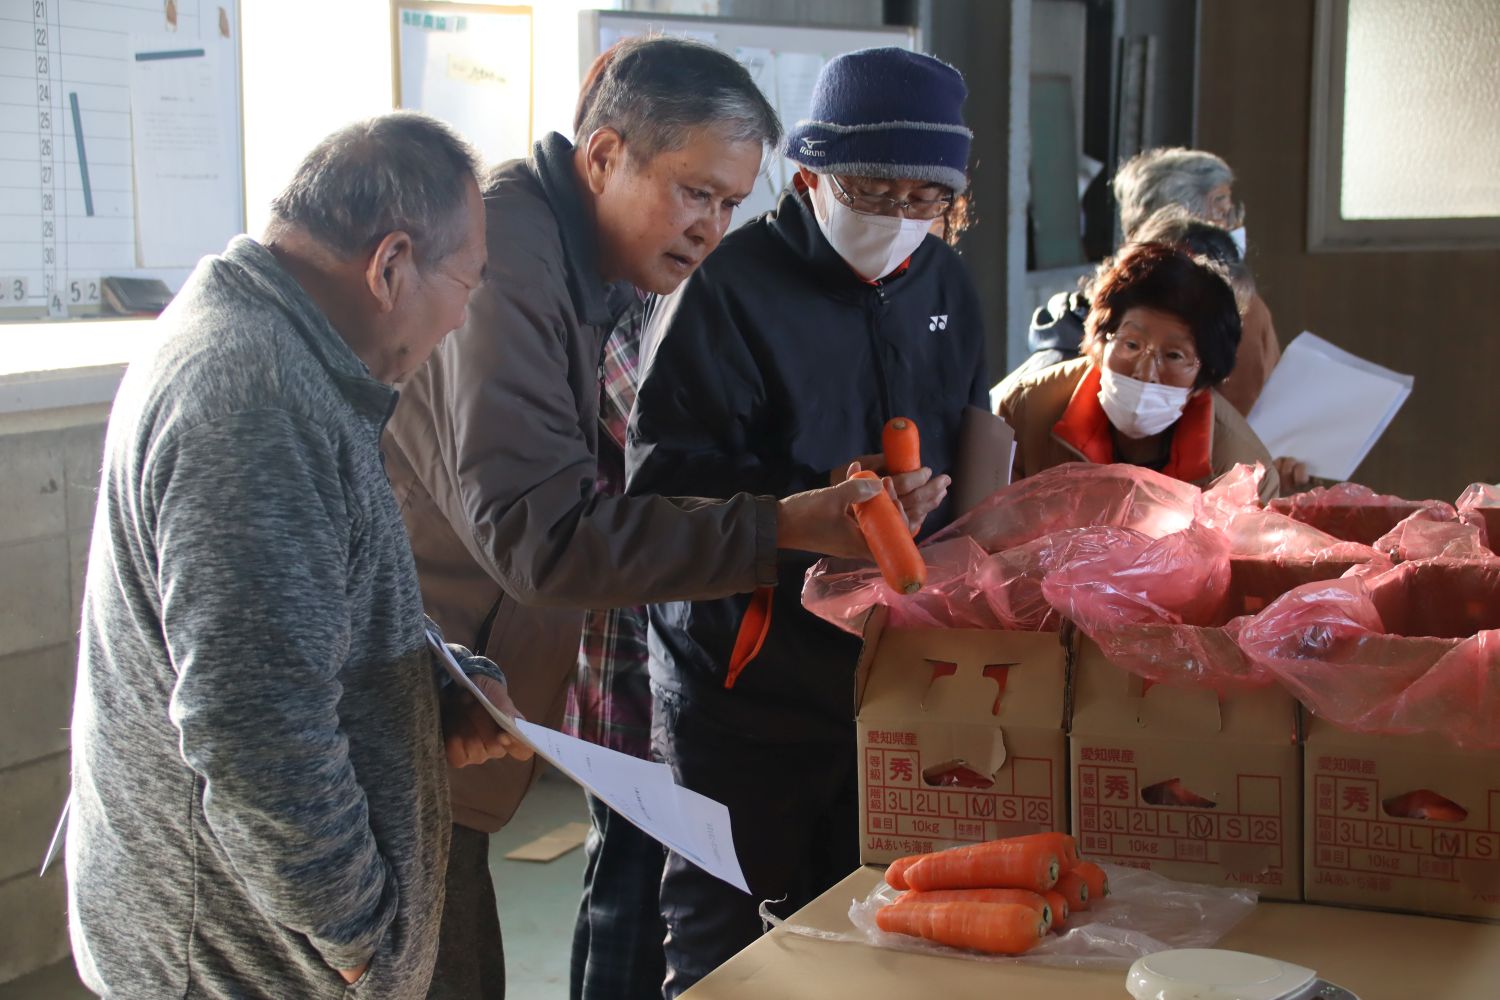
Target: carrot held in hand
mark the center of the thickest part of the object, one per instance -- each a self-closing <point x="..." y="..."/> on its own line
<point x="1098" y="882"/>
<point x="1060" y="909"/>
<point x="995" y="865"/>
<point x="889" y="537"/>
<point x="1075" y="890"/>
<point x="996" y="928"/>
<point x="1021" y="897"/>
<point x="902" y="446"/>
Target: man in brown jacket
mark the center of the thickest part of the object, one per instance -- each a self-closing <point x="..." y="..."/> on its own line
<point x="493" y="449"/>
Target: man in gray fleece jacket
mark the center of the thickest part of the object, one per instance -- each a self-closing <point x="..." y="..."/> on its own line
<point x="260" y="804"/>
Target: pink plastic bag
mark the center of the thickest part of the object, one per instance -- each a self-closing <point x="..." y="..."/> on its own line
<point x="1078" y="495"/>
<point x="1409" y="649"/>
<point x="1030" y="527"/>
<point x="1351" y="512"/>
<point x="1435" y="533"/>
<point x="1479" y="505"/>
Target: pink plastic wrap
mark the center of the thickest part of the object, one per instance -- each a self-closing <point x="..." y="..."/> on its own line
<point x="985" y="569"/>
<point x="1479" y="505"/>
<point x="1410" y="649"/>
<point x="1078" y="495"/>
<point x="1435" y="533"/>
<point x="1351" y="512"/>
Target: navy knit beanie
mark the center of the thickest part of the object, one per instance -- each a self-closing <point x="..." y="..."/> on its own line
<point x="889" y="113"/>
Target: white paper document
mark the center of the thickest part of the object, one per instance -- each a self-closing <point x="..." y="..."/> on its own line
<point x="1326" y="407"/>
<point x="642" y="791"/>
<point x="182" y="151"/>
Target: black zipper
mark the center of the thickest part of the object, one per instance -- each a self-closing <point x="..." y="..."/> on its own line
<point x="873" y="319"/>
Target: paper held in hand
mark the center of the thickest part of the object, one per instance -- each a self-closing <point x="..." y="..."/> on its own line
<point x="642" y="791"/>
<point x="1326" y="407"/>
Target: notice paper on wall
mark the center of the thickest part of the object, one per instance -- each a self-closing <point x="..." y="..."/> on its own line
<point x="642" y="791"/>
<point x="1327" y="407"/>
<point x="182" y="151"/>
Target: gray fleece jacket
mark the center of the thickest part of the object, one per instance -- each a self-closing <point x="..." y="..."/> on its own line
<point x="259" y="792"/>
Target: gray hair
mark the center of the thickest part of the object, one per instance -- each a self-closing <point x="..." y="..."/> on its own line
<point x="657" y="91"/>
<point x="1166" y="176"/>
<point x="1176" y="226"/>
<point x="400" y="171"/>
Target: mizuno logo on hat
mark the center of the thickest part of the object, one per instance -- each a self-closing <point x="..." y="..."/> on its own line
<point x="938" y="323"/>
<point x="808" y="150"/>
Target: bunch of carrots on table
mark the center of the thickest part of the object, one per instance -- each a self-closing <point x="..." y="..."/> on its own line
<point x="1000" y="897"/>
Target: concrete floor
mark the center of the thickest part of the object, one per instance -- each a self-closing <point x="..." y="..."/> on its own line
<point x="537" y="905"/>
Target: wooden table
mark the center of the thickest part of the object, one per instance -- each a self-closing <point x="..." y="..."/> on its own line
<point x="1380" y="956"/>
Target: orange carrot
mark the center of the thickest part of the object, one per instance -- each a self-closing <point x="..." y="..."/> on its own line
<point x="902" y="446"/>
<point x="888" y="535"/>
<point x="995" y="865"/>
<point x="1064" y="844"/>
<point x="895" y="874"/>
<point x="1075" y="890"/>
<point x="997" y="928"/>
<point x="1022" y="897"/>
<point x="1098" y="882"/>
<point x="1060" y="909"/>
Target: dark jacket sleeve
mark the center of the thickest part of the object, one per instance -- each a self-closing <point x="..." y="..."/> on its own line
<point x="702" y="416"/>
<point x="495" y="434"/>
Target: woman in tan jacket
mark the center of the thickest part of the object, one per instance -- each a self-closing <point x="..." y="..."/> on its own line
<point x="1161" y="336"/>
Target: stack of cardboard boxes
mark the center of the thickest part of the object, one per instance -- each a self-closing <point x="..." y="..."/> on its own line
<point x="967" y="735"/>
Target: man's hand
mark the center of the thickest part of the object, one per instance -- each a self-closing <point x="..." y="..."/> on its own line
<point x="820" y="520"/>
<point x="351" y="976"/>
<point x="918" y="493"/>
<point x="471" y="736"/>
<point x="1293" y="475"/>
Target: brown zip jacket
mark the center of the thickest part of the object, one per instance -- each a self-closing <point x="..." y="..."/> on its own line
<point x="493" y="453"/>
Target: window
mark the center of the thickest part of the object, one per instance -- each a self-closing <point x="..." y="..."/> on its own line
<point x="1405" y="133"/>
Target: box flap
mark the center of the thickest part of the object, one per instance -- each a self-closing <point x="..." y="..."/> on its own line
<point x="1109" y="701"/>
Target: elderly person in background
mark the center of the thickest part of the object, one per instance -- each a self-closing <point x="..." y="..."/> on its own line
<point x="259" y="800"/>
<point x="1201" y="184"/>
<point x="1160" y="336"/>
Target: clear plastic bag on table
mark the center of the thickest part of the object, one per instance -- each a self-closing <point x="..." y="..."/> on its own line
<point x="1078" y="495"/>
<point x="1406" y="650"/>
<point x="1351" y="512"/>
<point x="1480" y="505"/>
<point x="1144" y="913"/>
<point x="1435" y="533"/>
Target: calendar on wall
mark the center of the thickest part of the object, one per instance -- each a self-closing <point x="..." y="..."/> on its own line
<point x="120" y="146"/>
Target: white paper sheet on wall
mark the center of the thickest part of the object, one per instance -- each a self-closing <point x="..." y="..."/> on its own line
<point x="182" y="152"/>
<point x="1327" y="407"/>
<point x="642" y="791"/>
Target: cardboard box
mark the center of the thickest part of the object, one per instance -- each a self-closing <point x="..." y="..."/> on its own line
<point x="961" y="737"/>
<point x="1359" y="854"/>
<point x="1141" y="752"/>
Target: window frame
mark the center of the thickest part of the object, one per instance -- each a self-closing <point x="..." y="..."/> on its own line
<point x="1327" y="229"/>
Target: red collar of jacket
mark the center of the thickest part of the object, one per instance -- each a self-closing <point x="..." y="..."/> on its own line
<point x="1085" y="428"/>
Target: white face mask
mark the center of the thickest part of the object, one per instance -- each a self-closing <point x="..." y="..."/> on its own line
<point x="1238" y="235"/>
<point x="1140" y="409"/>
<point x="873" y="245"/>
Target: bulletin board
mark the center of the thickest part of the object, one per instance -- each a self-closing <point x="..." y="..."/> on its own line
<point x="783" y="59"/>
<point x="121" y="121"/>
<point x="471" y="66"/>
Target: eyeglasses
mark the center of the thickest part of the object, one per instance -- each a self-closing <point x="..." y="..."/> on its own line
<point x="921" y="209"/>
<point x="1128" y="350"/>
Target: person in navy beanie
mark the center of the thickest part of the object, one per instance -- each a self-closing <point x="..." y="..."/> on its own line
<point x="773" y="369"/>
